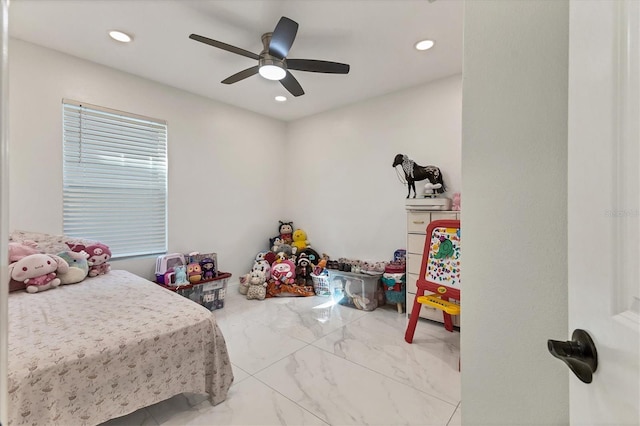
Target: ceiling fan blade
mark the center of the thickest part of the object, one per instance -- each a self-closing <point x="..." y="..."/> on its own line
<point x="224" y="46"/>
<point x="241" y="75"/>
<point x="313" y="65"/>
<point x="291" y="84"/>
<point x="282" y="37"/>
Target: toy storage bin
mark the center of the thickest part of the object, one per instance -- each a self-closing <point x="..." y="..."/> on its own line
<point x="359" y="291"/>
<point x="209" y="294"/>
<point x="321" y="284"/>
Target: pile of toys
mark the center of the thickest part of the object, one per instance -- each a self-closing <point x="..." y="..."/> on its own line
<point x="357" y="266"/>
<point x="285" y="269"/>
<point x="177" y="269"/>
<point x="291" y="267"/>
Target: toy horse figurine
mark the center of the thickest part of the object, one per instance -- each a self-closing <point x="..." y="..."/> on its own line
<point x="414" y="172"/>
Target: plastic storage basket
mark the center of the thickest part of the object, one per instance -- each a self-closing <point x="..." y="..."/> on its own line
<point x="209" y="293"/>
<point x="321" y="284"/>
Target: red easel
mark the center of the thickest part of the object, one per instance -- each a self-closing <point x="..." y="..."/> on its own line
<point x="439" y="278"/>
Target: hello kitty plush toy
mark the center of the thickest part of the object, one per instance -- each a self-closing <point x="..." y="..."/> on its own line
<point x="38" y="271"/>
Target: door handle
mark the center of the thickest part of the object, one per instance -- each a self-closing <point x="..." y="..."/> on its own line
<point x="579" y="354"/>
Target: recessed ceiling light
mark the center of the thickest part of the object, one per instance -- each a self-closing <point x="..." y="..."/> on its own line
<point x="120" y="36"/>
<point x="281" y="98"/>
<point x="425" y="44"/>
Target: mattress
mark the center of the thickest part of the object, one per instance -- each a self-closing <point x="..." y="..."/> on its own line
<point x="84" y="353"/>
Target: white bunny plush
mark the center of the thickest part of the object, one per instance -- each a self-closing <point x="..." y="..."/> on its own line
<point x="38" y="271"/>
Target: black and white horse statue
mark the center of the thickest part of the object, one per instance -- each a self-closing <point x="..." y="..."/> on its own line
<point x="414" y="172"/>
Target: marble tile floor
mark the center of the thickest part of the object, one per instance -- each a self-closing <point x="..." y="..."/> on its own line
<point x="306" y="361"/>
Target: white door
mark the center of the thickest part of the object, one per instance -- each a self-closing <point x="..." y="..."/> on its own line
<point x="604" y="189"/>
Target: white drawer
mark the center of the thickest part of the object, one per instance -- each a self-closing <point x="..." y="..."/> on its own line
<point x="415" y="243"/>
<point x="411" y="283"/>
<point x="413" y="263"/>
<point x="417" y="222"/>
<point x="444" y="215"/>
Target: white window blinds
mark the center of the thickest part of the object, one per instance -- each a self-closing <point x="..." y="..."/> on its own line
<point x="115" y="179"/>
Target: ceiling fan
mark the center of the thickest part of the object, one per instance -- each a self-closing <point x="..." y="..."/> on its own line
<point x="272" y="61"/>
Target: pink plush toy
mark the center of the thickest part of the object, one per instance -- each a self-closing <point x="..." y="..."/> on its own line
<point x="283" y="272"/>
<point x="99" y="254"/>
<point x="18" y="250"/>
<point x="456" y="201"/>
<point x="38" y="271"/>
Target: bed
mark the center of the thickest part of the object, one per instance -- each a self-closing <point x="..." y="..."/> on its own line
<point x="82" y="354"/>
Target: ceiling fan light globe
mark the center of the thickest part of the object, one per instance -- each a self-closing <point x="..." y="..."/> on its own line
<point x="272" y="72"/>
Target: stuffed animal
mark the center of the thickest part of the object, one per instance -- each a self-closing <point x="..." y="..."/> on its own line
<point x="18" y="250"/>
<point x="244" y="283"/>
<point x="283" y="272"/>
<point x="322" y="264"/>
<point x="303" y="270"/>
<point x="456" y="201"/>
<point x="313" y="255"/>
<point x="280" y="246"/>
<point x="281" y="256"/>
<point x="300" y="240"/>
<point x="194" y="271"/>
<point x="181" y="274"/>
<point x="38" y="271"/>
<point x="208" y="268"/>
<point x="257" y="286"/>
<point x="277" y="242"/>
<point x="99" y="254"/>
<point x="264" y="266"/>
<point x="270" y="257"/>
<point x="78" y="267"/>
<point x="286" y="229"/>
<point x="431" y="188"/>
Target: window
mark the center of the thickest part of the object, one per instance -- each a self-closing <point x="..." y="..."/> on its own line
<point x="115" y="179"/>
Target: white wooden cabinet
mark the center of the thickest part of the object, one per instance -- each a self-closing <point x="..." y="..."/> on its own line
<point x="417" y="221"/>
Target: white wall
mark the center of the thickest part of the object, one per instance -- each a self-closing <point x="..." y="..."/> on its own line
<point x="345" y="193"/>
<point x="222" y="157"/>
<point x="514" y="165"/>
<point x="233" y="174"/>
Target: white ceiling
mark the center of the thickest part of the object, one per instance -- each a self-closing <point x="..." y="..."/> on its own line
<point x="375" y="37"/>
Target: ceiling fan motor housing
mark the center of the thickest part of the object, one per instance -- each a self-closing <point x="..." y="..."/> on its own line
<point x="266" y="58"/>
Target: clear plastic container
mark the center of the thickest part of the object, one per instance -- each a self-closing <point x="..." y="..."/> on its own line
<point x="358" y="291"/>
